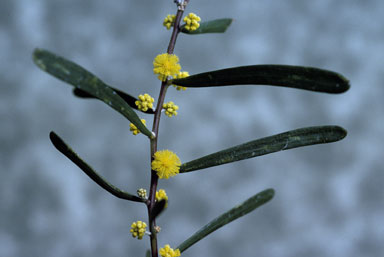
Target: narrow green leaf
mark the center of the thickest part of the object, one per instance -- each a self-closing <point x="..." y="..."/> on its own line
<point x="284" y="141"/>
<point x="214" y="26"/>
<point x="70" y="154"/>
<point x="158" y="209"/>
<point x="234" y="213"/>
<point x="84" y="80"/>
<point x="148" y="253"/>
<point x="130" y="100"/>
<point x="307" y="78"/>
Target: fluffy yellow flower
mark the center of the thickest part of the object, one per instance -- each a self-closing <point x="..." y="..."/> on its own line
<point x="138" y="229"/>
<point x="167" y="251"/>
<point x="169" y="21"/>
<point x="166" y="65"/>
<point x="192" y="22"/>
<point x="166" y="163"/>
<point x="170" y="109"/>
<point x="145" y="102"/>
<point x="162" y="195"/>
<point x="180" y="75"/>
<point x="134" y="129"/>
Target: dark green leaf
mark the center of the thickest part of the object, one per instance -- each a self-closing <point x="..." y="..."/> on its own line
<point x="158" y="208"/>
<point x="235" y="213"/>
<point x="284" y="141"/>
<point x="130" y="100"/>
<point x="84" y="80"/>
<point x="148" y="253"/>
<point x="70" y="154"/>
<point x="214" y="26"/>
<point x="278" y="75"/>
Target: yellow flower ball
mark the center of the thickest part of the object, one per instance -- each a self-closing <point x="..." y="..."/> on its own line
<point x="166" y="164"/>
<point x="166" y="65"/>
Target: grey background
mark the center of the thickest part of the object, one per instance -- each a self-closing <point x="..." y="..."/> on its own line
<point x="329" y="198"/>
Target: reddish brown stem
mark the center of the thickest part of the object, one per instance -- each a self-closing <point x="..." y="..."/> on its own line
<point x="155" y="129"/>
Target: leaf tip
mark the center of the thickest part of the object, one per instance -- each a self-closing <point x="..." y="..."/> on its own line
<point x="343" y="84"/>
<point x="269" y="194"/>
<point x="342" y="132"/>
<point x="36" y="56"/>
<point x="55" y="139"/>
<point x="57" y="142"/>
<point x="53" y="136"/>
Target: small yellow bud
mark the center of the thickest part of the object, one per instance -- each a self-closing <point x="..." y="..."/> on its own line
<point x="180" y="75"/>
<point x="134" y="129"/>
<point x="170" y="109"/>
<point x="169" y="21"/>
<point x="142" y="193"/>
<point x="167" y="251"/>
<point x="145" y="102"/>
<point x="138" y="229"/>
<point x="192" y="22"/>
<point x="162" y="195"/>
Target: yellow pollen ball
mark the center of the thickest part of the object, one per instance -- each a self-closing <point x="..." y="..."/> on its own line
<point x="166" y="164"/>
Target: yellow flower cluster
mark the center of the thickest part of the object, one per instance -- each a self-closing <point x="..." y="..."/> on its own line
<point x="169" y="21"/>
<point x="162" y="195"/>
<point x="167" y="251"/>
<point x="166" y="65"/>
<point x="145" y="102"/>
<point x="170" y="109"/>
<point x="192" y="22"/>
<point x="182" y="74"/>
<point x="134" y="129"/>
<point x="138" y="229"/>
<point x="166" y="164"/>
<point x="142" y="193"/>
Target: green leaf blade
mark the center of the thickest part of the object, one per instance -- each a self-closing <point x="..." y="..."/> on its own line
<point x="62" y="147"/>
<point x="158" y="208"/>
<point x="130" y="100"/>
<point x="213" y="26"/>
<point x="284" y="141"/>
<point x="307" y="78"/>
<point x="82" y="79"/>
<point x="229" y="216"/>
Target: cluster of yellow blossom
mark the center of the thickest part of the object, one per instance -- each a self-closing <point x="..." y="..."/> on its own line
<point x="166" y="65"/>
<point x="134" y="129"/>
<point x="138" y="229"/>
<point x="180" y="75"/>
<point x="170" y="109"/>
<point x="142" y="193"/>
<point x="167" y="251"/>
<point x="166" y="164"/>
<point x="169" y="21"/>
<point x="162" y="195"/>
<point x="192" y="22"/>
<point x="145" y="102"/>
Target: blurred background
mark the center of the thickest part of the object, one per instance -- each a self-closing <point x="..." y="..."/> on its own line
<point x="329" y="198"/>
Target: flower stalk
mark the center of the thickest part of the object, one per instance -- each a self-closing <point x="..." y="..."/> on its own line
<point x="155" y="129"/>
